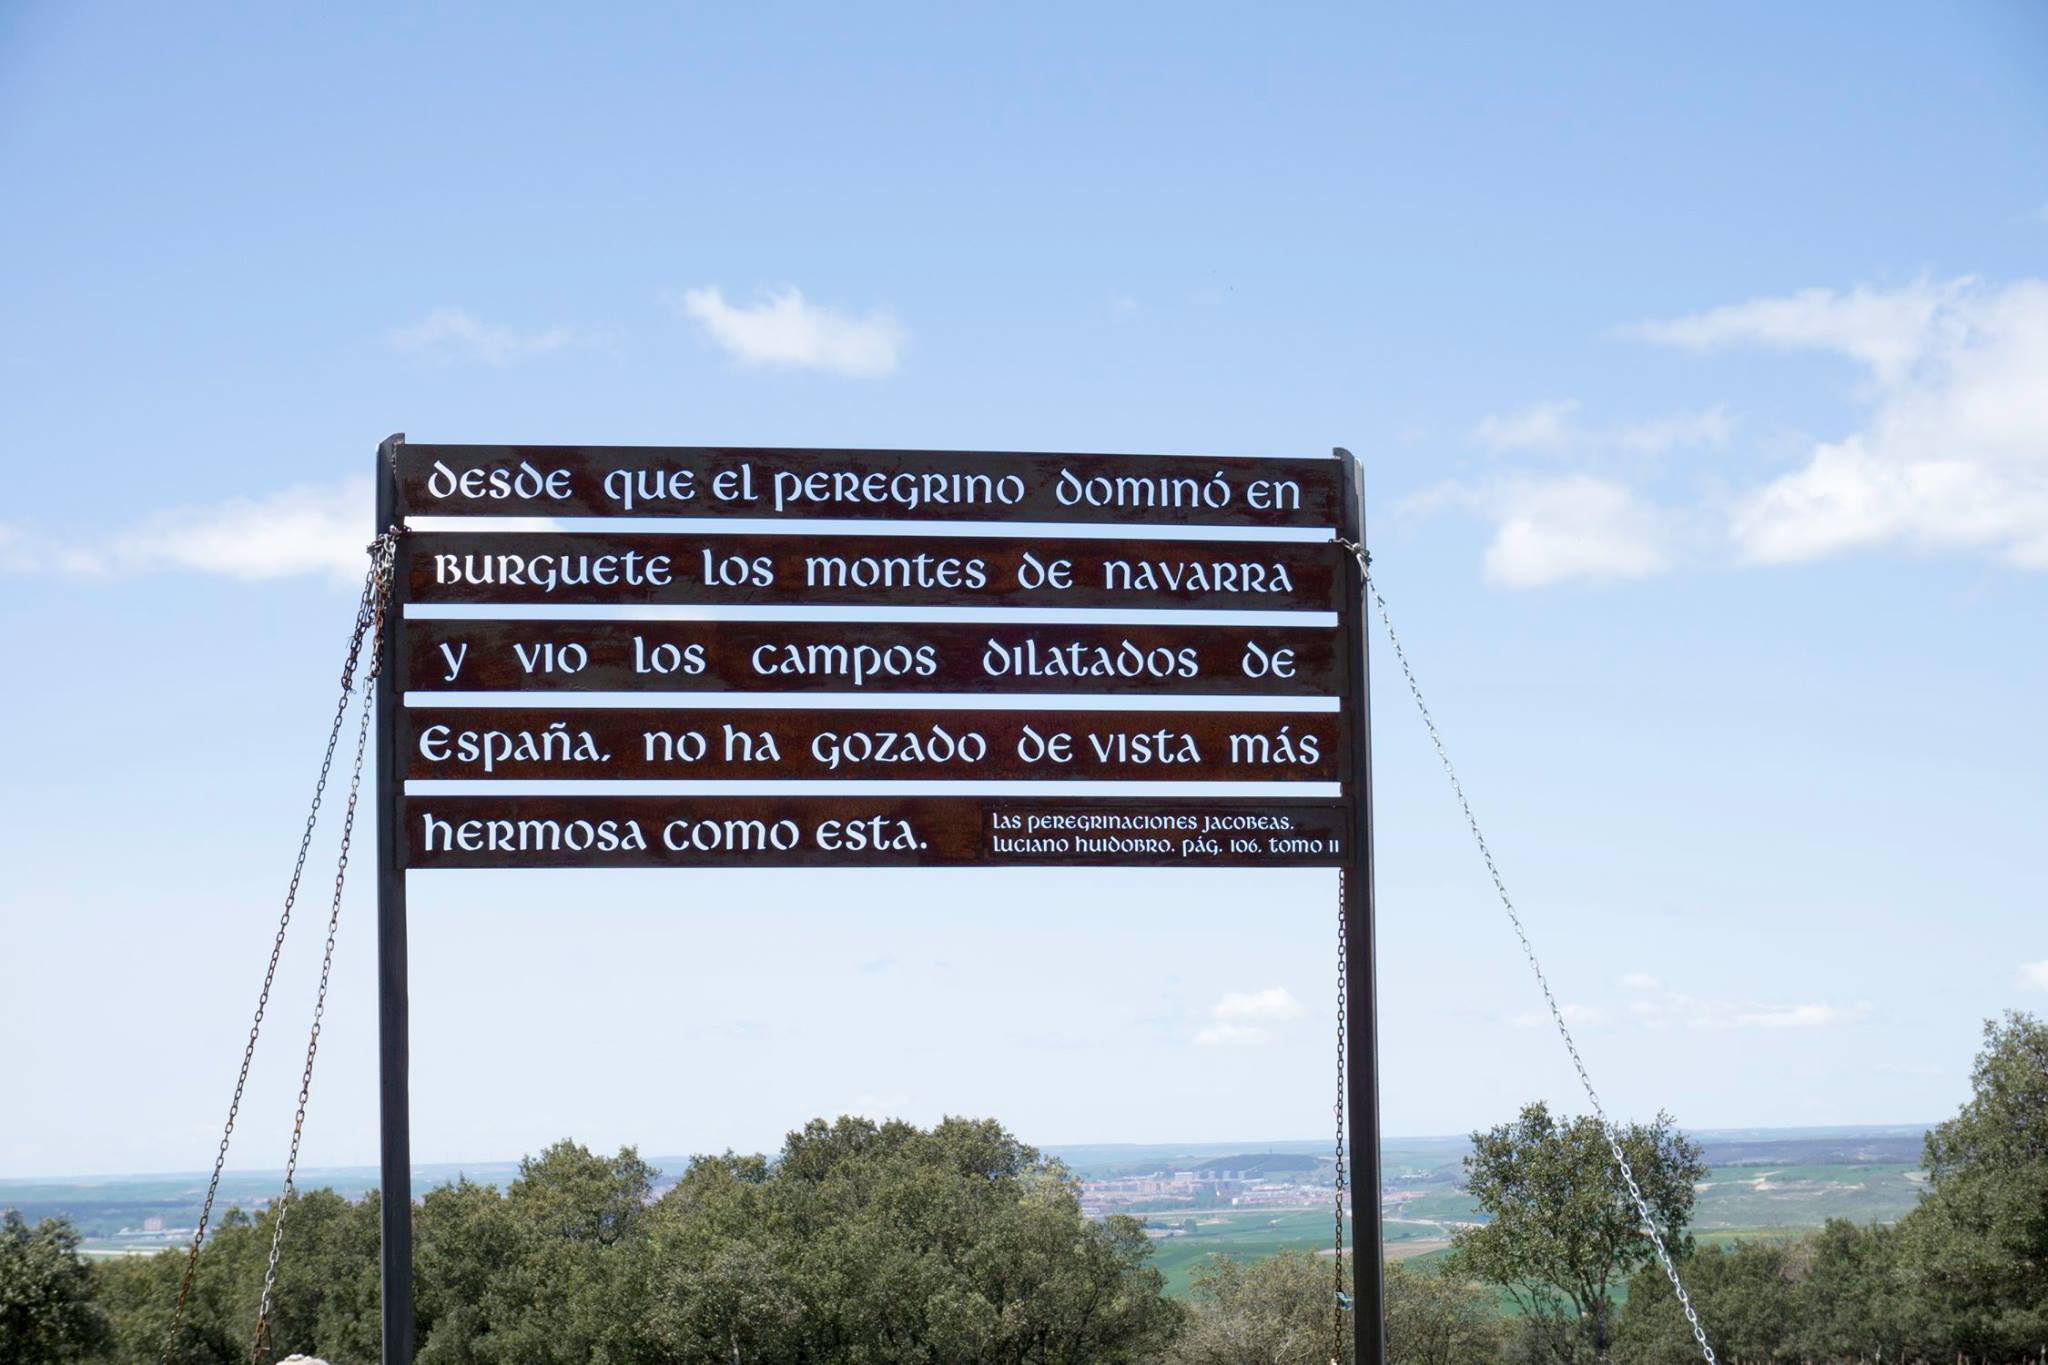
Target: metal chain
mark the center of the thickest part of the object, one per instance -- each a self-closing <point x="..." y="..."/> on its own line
<point x="369" y="612"/>
<point x="382" y="554"/>
<point x="1628" y="1174"/>
<point x="1339" y="1301"/>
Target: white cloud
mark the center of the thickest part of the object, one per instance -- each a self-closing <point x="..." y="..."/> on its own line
<point x="453" y="333"/>
<point x="785" y="330"/>
<point x="1815" y="1015"/>
<point x="309" y="529"/>
<point x="1953" y="454"/>
<point x="2035" y="974"/>
<point x="1276" y="1003"/>
<point x="1680" y="431"/>
<point x="1949" y="453"/>
<point x="1576" y="1016"/>
<point x="1558" y="528"/>
<point x="1544" y="426"/>
<point x="1885" y="329"/>
<point x="1224" y="1035"/>
<point x="1655" y="1006"/>
<point x="23" y="551"/>
<point x="1554" y="427"/>
<point x="1248" y="1016"/>
<point x="1555" y="528"/>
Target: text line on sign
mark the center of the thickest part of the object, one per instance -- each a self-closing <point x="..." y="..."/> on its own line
<point x="469" y="743"/>
<point x="442" y="655"/>
<point x="897" y="485"/>
<point x="821" y="831"/>
<point x="888" y="571"/>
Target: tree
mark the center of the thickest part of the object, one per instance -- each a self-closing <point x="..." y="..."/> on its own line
<point x="140" y="1294"/>
<point x="542" y="1275"/>
<point x="324" y="1304"/>
<point x="890" y="1243"/>
<point x="1275" y="1311"/>
<point x="47" y="1313"/>
<point x="326" y="1299"/>
<point x="1747" y="1295"/>
<point x="1438" y="1316"/>
<point x="1977" y="1246"/>
<point x="1562" y="1230"/>
<point x="1855" y="1300"/>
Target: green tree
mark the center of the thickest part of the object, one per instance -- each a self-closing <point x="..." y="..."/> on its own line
<point x="326" y="1299"/>
<point x="1438" y="1316"/>
<point x="1274" y="1311"/>
<point x="1562" y="1231"/>
<point x="325" y="1302"/>
<point x="1855" y="1301"/>
<point x="140" y="1294"/>
<point x="544" y="1274"/>
<point x="463" y="1239"/>
<point x="47" y="1313"/>
<point x="1977" y="1246"/>
<point x="889" y="1243"/>
<point x="1747" y="1294"/>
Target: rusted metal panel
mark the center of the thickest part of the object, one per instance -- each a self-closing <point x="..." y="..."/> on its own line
<point x="868" y="657"/>
<point x="902" y="485"/>
<point x="470" y="743"/>
<point x="871" y="570"/>
<point x="867" y="831"/>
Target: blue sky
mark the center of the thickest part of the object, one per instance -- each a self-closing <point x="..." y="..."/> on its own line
<point x="1697" y="364"/>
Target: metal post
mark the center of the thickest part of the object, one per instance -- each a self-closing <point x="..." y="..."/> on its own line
<point x="393" y="1051"/>
<point x="1362" y="1086"/>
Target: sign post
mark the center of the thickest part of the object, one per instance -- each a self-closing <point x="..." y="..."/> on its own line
<point x="1362" y="1054"/>
<point x="394" y="1096"/>
<point x="701" y="677"/>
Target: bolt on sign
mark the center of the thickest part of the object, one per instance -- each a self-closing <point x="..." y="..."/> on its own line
<point x="1159" y="649"/>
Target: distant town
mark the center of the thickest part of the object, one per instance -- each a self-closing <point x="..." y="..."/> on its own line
<point x="1195" y="1200"/>
<point x="1274" y="1180"/>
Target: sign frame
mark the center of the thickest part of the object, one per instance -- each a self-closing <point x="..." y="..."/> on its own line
<point x="1356" y="880"/>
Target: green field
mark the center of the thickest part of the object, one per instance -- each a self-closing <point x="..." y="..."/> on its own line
<point x="1230" y="1233"/>
<point x="1761" y="1184"/>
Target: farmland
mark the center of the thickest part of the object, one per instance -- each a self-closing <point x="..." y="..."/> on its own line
<point x="1238" y="1199"/>
<point x="1761" y="1184"/>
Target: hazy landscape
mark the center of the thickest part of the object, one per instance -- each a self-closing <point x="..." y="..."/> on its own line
<point x="1764" y="1184"/>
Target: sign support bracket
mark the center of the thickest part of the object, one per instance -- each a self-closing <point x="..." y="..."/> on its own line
<point x="394" y="1104"/>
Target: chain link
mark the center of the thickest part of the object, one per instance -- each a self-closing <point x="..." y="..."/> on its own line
<point x="1628" y="1174"/>
<point x="369" y="622"/>
<point x="1339" y="1301"/>
<point x="382" y="553"/>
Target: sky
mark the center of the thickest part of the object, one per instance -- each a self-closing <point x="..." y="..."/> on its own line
<point x="1696" y="362"/>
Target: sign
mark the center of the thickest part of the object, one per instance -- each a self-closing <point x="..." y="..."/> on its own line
<point x="864" y="485"/>
<point x="470" y="743"/>
<point x="819" y="831"/>
<point x="557" y="675"/>
<point x="896" y="571"/>
<point x="866" y="657"/>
